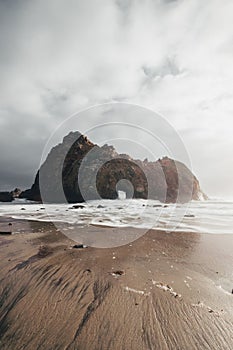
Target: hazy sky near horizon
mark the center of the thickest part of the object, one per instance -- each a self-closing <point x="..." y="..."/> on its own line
<point x="172" y="56"/>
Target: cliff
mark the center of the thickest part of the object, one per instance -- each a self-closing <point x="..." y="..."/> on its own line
<point x="77" y="170"/>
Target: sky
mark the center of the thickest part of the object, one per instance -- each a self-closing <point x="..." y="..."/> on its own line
<point x="174" y="57"/>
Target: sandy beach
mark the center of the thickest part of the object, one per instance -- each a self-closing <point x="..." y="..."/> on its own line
<point x="162" y="291"/>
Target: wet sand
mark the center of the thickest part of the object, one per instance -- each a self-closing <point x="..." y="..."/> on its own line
<point x="162" y="291"/>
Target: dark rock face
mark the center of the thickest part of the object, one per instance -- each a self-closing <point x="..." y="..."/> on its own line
<point x="179" y="181"/>
<point x="6" y="197"/>
<point x="10" y="196"/>
<point x="33" y="193"/>
<point x="59" y="171"/>
<point x="116" y="170"/>
<point x="77" y="170"/>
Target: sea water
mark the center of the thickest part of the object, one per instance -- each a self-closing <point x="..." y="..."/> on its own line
<point x="212" y="216"/>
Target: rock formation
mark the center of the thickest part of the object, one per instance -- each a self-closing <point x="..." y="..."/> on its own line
<point x="10" y="196"/>
<point x="16" y="192"/>
<point x="77" y="170"/>
<point x="6" y="197"/>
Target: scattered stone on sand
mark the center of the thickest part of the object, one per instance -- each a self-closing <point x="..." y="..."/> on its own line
<point x="77" y="207"/>
<point x="100" y="206"/>
<point x="157" y="206"/>
<point x="141" y="292"/>
<point x="166" y="288"/>
<point x="209" y="309"/>
<point x="118" y="273"/>
<point x="5" y="233"/>
<point x="189" y="216"/>
<point x="79" y="246"/>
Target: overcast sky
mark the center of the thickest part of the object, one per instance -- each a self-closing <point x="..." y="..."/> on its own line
<point x="173" y="56"/>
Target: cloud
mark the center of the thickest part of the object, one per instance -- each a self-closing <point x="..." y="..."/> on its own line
<point x="60" y="56"/>
<point x="169" y="67"/>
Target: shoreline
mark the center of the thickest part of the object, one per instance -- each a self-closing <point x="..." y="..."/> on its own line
<point x="9" y="219"/>
<point x="54" y="296"/>
<point x="209" y="217"/>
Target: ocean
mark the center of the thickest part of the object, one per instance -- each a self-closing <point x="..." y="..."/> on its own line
<point x="212" y="216"/>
